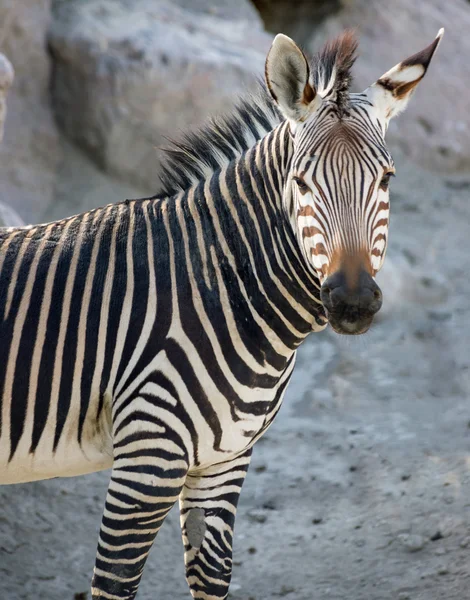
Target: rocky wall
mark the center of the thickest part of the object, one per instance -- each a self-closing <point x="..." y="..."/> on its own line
<point x="434" y="131"/>
<point x="129" y="72"/>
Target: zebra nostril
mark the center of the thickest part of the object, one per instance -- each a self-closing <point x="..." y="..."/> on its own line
<point x="325" y="295"/>
<point x="376" y="303"/>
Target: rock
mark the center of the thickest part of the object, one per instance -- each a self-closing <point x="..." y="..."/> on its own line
<point x="6" y="74"/>
<point x="412" y="542"/>
<point x="8" y="217"/>
<point x="81" y="186"/>
<point x="434" y="130"/>
<point x="42" y="177"/>
<point x="257" y="516"/>
<point x="30" y="149"/>
<point x="270" y="504"/>
<point x="225" y="9"/>
<point x="6" y="79"/>
<point x="442" y="570"/>
<point x="128" y="72"/>
<point x="286" y="590"/>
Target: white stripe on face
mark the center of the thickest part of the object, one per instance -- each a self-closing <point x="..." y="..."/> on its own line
<point x="339" y="190"/>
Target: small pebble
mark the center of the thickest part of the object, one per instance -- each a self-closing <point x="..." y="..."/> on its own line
<point x="285" y="590"/>
<point x="412" y="542"/>
<point x="439" y="316"/>
<point x="257" y="516"/>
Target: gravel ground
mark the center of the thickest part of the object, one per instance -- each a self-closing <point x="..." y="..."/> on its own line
<point x="360" y="489"/>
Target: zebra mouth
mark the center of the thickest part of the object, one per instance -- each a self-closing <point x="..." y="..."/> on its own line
<point x="346" y="327"/>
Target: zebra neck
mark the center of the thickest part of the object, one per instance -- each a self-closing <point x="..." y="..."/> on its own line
<point x="248" y="250"/>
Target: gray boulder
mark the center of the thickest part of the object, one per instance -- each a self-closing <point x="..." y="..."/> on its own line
<point x="129" y="72"/>
<point x="30" y="151"/>
<point x="434" y="132"/>
<point x="8" y="217"/>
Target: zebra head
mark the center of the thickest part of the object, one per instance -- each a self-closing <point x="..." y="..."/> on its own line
<point x="336" y="192"/>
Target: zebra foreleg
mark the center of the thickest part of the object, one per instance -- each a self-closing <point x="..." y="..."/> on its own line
<point x="143" y="488"/>
<point x="208" y="505"/>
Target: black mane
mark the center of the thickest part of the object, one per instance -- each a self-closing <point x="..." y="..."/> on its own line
<point x="331" y="69"/>
<point x="199" y="153"/>
<point x="196" y="155"/>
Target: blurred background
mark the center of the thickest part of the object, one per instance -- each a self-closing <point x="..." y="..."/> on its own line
<point x="360" y="489"/>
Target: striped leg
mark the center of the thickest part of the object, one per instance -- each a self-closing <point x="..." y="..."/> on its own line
<point x="144" y="486"/>
<point x="208" y="505"/>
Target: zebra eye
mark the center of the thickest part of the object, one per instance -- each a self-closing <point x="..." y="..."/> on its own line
<point x="303" y="187"/>
<point x="385" y="181"/>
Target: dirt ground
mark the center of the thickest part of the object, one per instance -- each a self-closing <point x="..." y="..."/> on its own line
<point x="360" y="490"/>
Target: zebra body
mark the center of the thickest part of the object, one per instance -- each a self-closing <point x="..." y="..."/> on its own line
<point x="127" y="309"/>
<point x="158" y="336"/>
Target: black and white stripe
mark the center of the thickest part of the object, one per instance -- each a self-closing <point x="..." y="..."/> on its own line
<point x="345" y="162"/>
<point x="156" y="336"/>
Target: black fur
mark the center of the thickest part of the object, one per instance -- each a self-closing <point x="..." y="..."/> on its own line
<point x="339" y="55"/>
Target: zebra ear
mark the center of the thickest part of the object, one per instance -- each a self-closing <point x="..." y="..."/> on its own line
<point x="288" y="79"/>
<point x="390" y="93"/>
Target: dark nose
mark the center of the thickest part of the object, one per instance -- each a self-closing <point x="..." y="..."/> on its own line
<point x="358" y="299"/>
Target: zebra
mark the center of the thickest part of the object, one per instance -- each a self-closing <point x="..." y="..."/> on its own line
<point x="157" y="336"/>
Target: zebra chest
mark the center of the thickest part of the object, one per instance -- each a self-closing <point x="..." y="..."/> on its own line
<point x="215" y="411"/>
<point x="234" y="427"/>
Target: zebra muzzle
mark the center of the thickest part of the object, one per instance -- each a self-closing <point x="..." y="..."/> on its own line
<point x="351" y="305"/>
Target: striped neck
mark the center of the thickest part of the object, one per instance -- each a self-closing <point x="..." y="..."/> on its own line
<point x="246" y="229"/>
